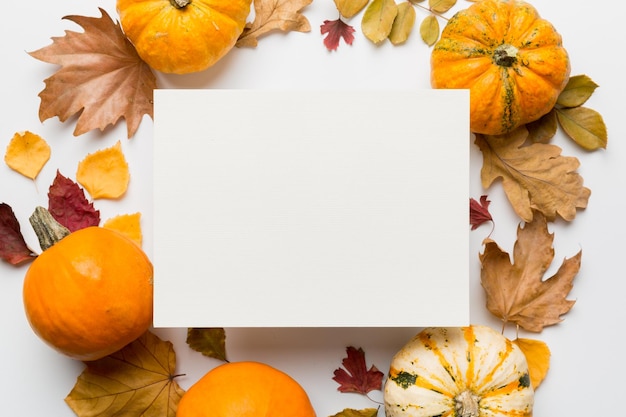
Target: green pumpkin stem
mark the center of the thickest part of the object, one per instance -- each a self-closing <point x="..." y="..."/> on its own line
<point x="179" y="4"/>
<point x="47" y="229"/>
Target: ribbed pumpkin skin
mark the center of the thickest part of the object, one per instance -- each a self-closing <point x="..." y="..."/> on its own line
<point x="504" y="93"/>
<point x="440" y="366"/>
<point x="90" y="294"/>
<point x="183" y="40"/>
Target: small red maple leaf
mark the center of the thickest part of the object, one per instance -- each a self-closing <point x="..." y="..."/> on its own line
<point x="335" y="30"/>
<point x="356" y="377"/>
<point x="479" y="212"/>
<point x="69" y="206"/>
<point x="13" y="247"/>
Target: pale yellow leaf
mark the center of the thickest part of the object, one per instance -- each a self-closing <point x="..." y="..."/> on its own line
<point x="585" y="126"/>
<point x="538" y="358"/>
<point x="429" y="30"/>
<point x="402" y="24"/>
<point x="104" y="173"/>
<point x="127" y="224"/>
<point x="27" y="153"/>
<point x="441" y="6"/>
<point x="378" y="20"/>
<point x="577" y="91"/>
<point x="348" y="8"/>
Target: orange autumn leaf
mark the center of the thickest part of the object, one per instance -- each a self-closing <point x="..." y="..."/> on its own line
<point x="538" y="358"/>
<point x="101" y="78"/>
<point x="127" y="224"/>
<point x="27" y="153"/>
<point x="517" y="292"/>
<point x="104" y="173"/>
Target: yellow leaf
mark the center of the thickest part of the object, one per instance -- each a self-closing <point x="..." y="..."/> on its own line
<point x="585" y="126"/>
<point x="127" y="224"/>
<point x="27" y="153"/>
<point x="378" y="20"/>
<point x="104" y="173"/>
<point x="441" y="6"/>
<point x="402" y="24"/>
<point x="429" y="30"/>
<point x="139" y="380"/>
<point x="351" y="412"/>
<point x="577" y="91"/>
<point x="538" y="357"/>
<point x="348" y="8"/>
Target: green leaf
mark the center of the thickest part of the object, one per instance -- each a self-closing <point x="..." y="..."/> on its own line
<point x="441" y="6"/>
<point x="585" y="126"/>
<point x="348" y="8"/>
<point x="544" y="129"/>
<point x="402" y="24"/>
<point x="210" y="342"/>
<point x="429" y="30"/>
<point x="577" y="91"/>
<point x="349" y="412"/>
<point x="378" y="20"/>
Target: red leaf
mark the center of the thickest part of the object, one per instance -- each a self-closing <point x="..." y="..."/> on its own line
<point x="336" y="29"/>
<point x="357" y="378"/>
<point x="479" y="212"/>
<point x="13" y="248"/>
<point x="69" y="206"/>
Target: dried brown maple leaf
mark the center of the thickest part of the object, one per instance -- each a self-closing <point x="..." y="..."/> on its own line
<point x="270" y="15"/>
<point x="135" y="381"/>
<point x="101" y="77"/>
<point x="356" y="377"/>
<point x="516" y="292"/>
<point x="534" y="177"/>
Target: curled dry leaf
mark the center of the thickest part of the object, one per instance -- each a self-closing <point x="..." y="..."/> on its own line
<point x="68" y="205"/>
<point x="13" y="247"/>
<point x="27" y="153"/>
<point x="534" y="177"/>
<point x="516" y="292"/>
<point x="104" y="173"/>
<point x="402" y="24"/>
<point x="210" y="342"/>
<point x="378" y="20"/>
<point x="538" y="357"/>
<point x="271" y="15"/>
<point x="101" y="77"/>
<point x="138" y="380"/>
<point x="127" y="224"/>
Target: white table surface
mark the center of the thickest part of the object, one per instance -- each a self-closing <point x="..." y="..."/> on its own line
<point x="586" y="368"/>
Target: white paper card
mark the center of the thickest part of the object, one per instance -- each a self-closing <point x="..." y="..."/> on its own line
<point x="304" y="208"/>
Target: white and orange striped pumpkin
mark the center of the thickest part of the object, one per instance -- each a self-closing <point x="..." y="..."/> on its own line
<point x="469" y="371"/>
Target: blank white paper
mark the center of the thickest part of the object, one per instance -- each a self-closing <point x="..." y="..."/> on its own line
<point x="311" y="208"/>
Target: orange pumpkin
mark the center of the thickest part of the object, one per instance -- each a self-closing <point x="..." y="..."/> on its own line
<point x="183" y="36"/>
<point x="512" y="61"/>
<point x="89" y="294"/>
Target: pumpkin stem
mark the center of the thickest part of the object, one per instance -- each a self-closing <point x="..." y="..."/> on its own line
<point x="179" y="4"/>
<point x="466" y="404"/>
<point x="47" y="229"/>
<point x="505" y="55"/>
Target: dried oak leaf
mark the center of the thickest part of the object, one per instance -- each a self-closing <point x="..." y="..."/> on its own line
<point x="101" y="77"/>
<point x="538" y="358"/>
<point x="13" y="247"/>
<point x="479" y="212"/>
<point x="210" y="342"/>
<point x="271" y="15"/>
<point x="516" y="292"/>
<point x="104" y="173"/>
<point x="356" y="377"/>
<point x="127" y="224"/>
<point x="68" y="205"/>
<point x="334" y="31"/>
<point x="350" y="412"/>
<point x="534" y="177"/>
<point x="138" y="380"/>
<point x="27" y="153"/>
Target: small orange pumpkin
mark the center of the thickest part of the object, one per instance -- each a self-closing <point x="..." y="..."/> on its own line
<point x="183" y="36"/>
<point x="89" y="294"/>
<point x="512" y="61"/>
